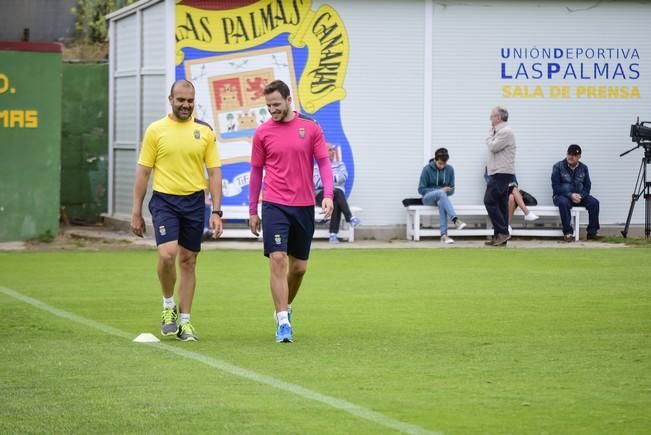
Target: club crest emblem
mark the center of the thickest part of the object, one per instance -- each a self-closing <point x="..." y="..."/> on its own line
<point x="301" y="133"/>
<point x="277" y="239"/>
<point x="161" y="230"/>
<point x="197" y="134"/>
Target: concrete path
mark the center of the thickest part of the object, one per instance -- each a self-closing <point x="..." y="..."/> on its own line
<point x="103" y="237"/>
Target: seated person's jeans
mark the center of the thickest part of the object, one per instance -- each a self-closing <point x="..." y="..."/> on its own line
<point x="440" y="198"/>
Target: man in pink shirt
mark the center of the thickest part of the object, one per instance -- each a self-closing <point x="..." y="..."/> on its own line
<point x="286" y="146"/>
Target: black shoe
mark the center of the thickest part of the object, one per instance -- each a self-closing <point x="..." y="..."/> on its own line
<point x="594" y="237"/>
<point x="501" y="239"/>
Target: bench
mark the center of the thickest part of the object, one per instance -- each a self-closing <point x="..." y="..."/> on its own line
<point x="415" y="229"/>
<point x="242" y="231"/>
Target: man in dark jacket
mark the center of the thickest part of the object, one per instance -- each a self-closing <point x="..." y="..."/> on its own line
<point x="571" y="186"/>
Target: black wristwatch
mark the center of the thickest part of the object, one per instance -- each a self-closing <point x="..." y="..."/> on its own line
<point x="218" y="213"/>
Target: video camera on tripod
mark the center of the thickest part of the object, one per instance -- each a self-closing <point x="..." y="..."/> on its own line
<point x="641" y="134"/>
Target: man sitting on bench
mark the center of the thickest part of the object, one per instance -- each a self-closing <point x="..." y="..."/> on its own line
<point x="436" y="185"/>
<point x="571" y="186"/>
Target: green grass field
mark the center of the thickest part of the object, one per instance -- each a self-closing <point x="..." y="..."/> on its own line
<point x="455" y="341"/>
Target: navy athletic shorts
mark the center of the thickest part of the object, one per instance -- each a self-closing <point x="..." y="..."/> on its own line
<point x="178" y="218"/>
<point x="287" y="229"/>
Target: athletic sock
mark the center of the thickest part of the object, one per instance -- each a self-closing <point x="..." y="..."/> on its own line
<point x="185" y="318"/>
<point x="282" y="317"/>
<point x="168" y="302"/>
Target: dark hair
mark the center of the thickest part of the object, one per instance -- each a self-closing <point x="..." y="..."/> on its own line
<point x="277" y="85"/>
<point x="442" y="154"/>
<point x="574" y="149"/>
<point x="183" y="82"/>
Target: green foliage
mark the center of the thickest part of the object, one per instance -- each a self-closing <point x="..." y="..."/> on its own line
<point x="90" y="24"/>
<point x="45" y="237"/>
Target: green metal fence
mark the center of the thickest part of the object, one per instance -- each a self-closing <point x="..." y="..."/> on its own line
<point x="84" y="141"/>
<point x="30" y="139"/>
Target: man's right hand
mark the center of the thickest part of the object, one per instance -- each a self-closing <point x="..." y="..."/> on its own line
<point x="138" y="225"/>
<point x="254" y="224"/>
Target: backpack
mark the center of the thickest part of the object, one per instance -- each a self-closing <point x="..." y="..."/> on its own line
<point x="412" y="201"/>
<point x="528" y="198"/>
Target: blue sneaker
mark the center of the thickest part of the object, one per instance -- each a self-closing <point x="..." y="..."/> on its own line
<point x="333" y="238"/>
<point x="289" y="316"/>
<point x="354" y="221"/>
<point x="284" y="333"/>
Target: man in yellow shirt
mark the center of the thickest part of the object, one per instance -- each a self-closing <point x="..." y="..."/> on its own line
<point x="178" y="148"/>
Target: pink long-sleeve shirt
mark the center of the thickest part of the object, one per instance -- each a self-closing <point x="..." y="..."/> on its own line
<point x="286" y="151"/>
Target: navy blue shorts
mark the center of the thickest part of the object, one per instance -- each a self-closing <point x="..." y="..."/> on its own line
<point x="287" y="229"/>
<point x="178" y="218"/>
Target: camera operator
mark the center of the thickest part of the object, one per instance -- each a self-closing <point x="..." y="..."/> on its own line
<point x="571" y="187"/>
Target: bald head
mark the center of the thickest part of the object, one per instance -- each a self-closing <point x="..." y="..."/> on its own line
<point x="181" y="83"/>
<point x="182" y="100"/>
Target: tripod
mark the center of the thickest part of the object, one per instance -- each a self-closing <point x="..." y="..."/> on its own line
<point x="642" y="187"/>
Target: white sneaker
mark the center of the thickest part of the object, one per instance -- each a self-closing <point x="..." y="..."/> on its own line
<point x="459" y="224"/>
<point x="447" y="239"/>
<point x="510" y="230"/>
<point x="531" y="216"/>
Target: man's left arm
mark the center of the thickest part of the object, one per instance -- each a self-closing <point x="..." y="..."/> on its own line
<point x="328" y="186"/>
<point x="320" y="152"/>
<point x="500" y="140"/>
<point x="451" y="186"/>
<point x="215" y="189"/>
<point x="587" y="184"/>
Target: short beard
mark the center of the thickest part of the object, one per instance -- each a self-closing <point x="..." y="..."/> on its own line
<point x="177" y="113"/>
<point x="284" y="114"/>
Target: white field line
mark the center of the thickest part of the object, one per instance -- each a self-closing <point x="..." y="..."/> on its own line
<point x="305" y="393"/>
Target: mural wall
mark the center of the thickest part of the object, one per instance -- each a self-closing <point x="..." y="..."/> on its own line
<point x="231" y="49"/>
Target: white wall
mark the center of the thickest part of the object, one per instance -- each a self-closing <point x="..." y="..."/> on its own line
<point x="467" y="83"/>
<point x="383" y="111"/>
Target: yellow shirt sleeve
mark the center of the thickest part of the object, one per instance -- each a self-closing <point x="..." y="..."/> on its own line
<point x="212" y="154"/>
<point x="148" y="150"/>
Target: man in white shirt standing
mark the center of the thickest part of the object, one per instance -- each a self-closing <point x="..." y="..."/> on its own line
<point x="500" y="166"/>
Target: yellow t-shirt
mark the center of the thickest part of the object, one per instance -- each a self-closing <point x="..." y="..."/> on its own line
<point x="177" y="152"/>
